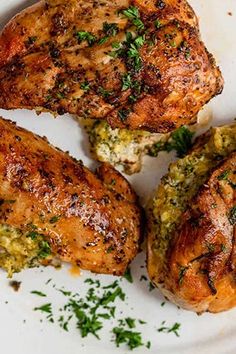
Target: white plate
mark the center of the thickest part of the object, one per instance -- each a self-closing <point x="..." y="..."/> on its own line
<point x="21" y="329"/>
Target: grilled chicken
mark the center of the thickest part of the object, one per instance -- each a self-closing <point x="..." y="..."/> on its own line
<point x="138" y="64"/>
<point x="191" y="241"/>
<point x="53" y="207"/>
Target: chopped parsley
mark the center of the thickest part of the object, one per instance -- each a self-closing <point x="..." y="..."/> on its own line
<point x="157" y="24"/>
<point x="128" y="275"/>
<point x="110" y="29"/>
<point x="104" y="93"/>
<point x="45" y="249"/>
<point x="131" y="338"/>
<point x="30" y="41"/>
<point x="126" y="82"/>
<point x="123" y="114"/>
<point x="151" y="286"/>
<point x="174" y="329"/>
<point x="224" y="175"/>
<point x="44" y="308"/>
<point x="85" y="86"/>
<point x="132" y="13"/>
<point x="130" y="322"/>
<point x="54" y="219"/>
<point x="39" y="293"/>
<point x="180" y="141"/>
<point x="89" y="312"/>
<point x="85" y="36"/>
<point x="232" y="215"/>
<point x="182" y="272"/>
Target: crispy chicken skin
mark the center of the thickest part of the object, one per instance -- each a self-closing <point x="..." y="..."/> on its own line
<point x="147" y="69"/>
<point x="91" y="220"/>
<point x="191" y="231"/>
<point x="204" y="246"/>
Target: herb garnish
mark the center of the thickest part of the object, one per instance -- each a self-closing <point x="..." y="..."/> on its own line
<point x="224" y="175"/>
<point x="182" y="272"/>
<point x="128" y="275"/>
<point x="45" y="249"/>
<point x="110" y="29"/>
<point x="175" y="328"/>
<point x="54" y="219"/>
<point x="131" y="338"/>
<point x="44" y="308"/>
<point x="85" y="36"/>
<point x="232" y="215"/>
<point x="123" y="114"/>
<point x="85" y="86"/>
<point x="132" y="13"/>
<point x="180" y="141"/>
<point x="39" y="293"/>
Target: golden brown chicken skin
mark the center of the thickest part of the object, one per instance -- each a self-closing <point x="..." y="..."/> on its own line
<point x="137" y="64"/>
<point x="52" y="200"/>
<point x="202" y="256"/>
<point x="191" y="226"/>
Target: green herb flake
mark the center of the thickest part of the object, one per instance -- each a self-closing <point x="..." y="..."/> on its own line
<point x="45" y="249"/>
<point x="123" y="114"/>
<point x="39" y="293"/>
<point x="181" y="141"/>
<point x="223" y="248"/>
<point x="232" y="215"/>
<point x="224" y="175"/>
<point x="104" y="93"/>
<point x="182" y="272"/>
<point x="85" y="36"/>
<point x="128" y="275"/>
<point x="44" y="308"/>
<point x="31" y="40"/>
<point x="131" y="338"/>
<point x="130" y="322"/>
<point x="110" y="29"/>
<point x="151" y="286"/>
<point x="174" y="329"/>
<point x="85" y="86"/>
<point x="54" y="219"/>
<point x="157" y="24"/>
<point x="132" y="13"/>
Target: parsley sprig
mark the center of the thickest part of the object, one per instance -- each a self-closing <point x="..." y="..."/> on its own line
<point x="174" y="328"/>
<point x="180" y="141"/>
<point x="132" y="13"/>
<point x="85" y="36"/>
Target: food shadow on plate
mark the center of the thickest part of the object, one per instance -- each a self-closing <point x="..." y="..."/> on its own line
<point x="14" y="10"/>
<point x="142" y="282"/>
<point x="84" y="144"/>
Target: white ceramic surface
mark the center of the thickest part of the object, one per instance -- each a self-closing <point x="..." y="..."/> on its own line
<point x="21" y="330"/>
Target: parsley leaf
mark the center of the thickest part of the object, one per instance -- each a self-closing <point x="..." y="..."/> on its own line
<point x="132" y="13"/>
<point x="45" y="249"/>
<point x="110" y="29"/>
<point x="131" y="338"/>
<point x="128" y="275"/>
<point x="181" y="141"/>
<point x="232" y="215"/>
<point x="175" y="328"/>
<point x="39" y="293"/>
<point x="85" y="86"/>
<point x="44" y="308"/>
<point x="85" y="36"/>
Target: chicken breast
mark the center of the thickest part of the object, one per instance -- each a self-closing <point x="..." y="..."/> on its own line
<point x="53" y="207"/>
<point x="191" y="240"/>
<point x="138" y="64"/>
